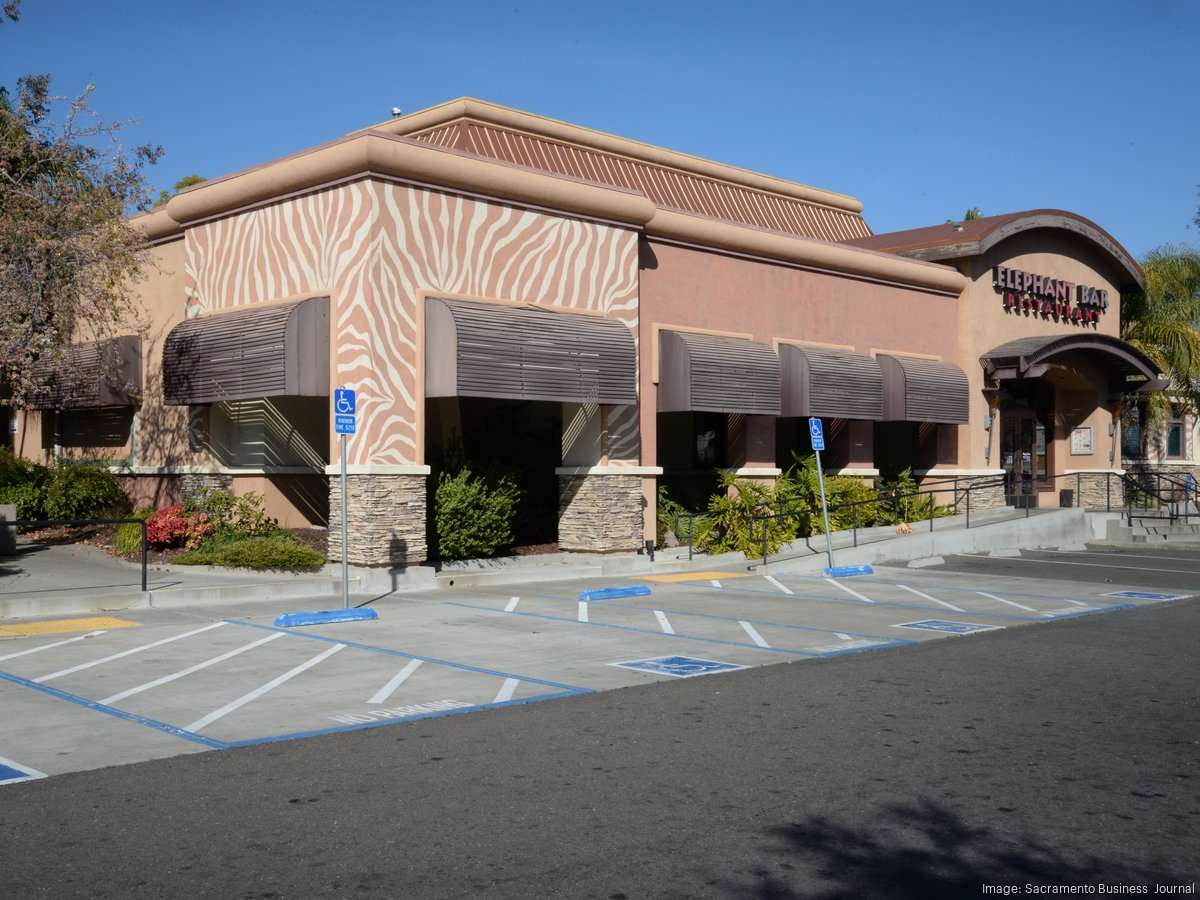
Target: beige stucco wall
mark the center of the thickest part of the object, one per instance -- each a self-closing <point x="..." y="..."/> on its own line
<point x="688" y="289"/>
<point x="984" y="324"/>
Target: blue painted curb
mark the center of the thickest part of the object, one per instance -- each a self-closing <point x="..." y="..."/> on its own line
<point x="287" y="620"/>
<point x="842" y="571"/>
<point x="610" y="593"/>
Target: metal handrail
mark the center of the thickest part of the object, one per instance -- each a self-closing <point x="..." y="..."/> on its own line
<point x="48" y="522"/>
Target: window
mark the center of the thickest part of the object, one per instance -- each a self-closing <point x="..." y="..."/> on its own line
<point x="1175" y="439"/>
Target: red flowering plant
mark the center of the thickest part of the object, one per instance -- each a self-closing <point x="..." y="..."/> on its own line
<point x="171" y="527"/>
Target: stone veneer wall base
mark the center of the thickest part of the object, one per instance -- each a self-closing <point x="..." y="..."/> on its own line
<point x="600" y="513"/>
<point x="386" y="524"/>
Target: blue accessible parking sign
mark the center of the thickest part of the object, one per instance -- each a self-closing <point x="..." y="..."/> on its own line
<point x="345" y="409"/>
<point x="817" y="434"/>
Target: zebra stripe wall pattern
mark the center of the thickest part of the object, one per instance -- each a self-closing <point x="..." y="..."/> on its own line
<point x="377" y="248"/>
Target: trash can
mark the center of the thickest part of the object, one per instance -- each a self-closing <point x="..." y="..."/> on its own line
<point x="1066" y="497"/>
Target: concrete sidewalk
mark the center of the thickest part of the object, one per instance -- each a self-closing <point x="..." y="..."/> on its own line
<point x="45" y="579"/>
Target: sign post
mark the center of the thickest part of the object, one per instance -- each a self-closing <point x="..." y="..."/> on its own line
<point x="345" y="421"/>
<point x="818" y="444"/>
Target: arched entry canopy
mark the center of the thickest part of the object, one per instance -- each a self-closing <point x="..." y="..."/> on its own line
<point x="1128" y="368"/>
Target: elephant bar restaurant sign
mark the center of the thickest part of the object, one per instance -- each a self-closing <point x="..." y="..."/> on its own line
<point x="1051" y="298"/>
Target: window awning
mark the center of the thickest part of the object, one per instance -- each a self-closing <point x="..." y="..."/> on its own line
<point x="269" y="351"/>
<point x="713" y="373"/>
<point x="1129" y="370"/>
<point x="527" y="353"/>
<point x="837" y="384"/>
<point x="923" y="390"/>
<point x="95" y="374"/>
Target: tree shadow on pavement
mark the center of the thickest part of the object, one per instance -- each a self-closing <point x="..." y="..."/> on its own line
<point x="927" y="850"/>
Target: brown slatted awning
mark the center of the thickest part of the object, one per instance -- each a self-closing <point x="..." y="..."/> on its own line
<point x="713" y="373"/>
<point x="838" y="384"/>
<point x="269" y="351"/>
<point x="95" y="374"/>
<point x="923" y="390"/>
<point x="527" y="353"/>
<point x="1129" y="369"/>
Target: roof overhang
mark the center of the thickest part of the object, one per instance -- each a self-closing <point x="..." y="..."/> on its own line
<point x="93" y="374"/>
<point x="825" y="382"/>
<point x="923" y="390"/>
<point x="715" y="373"/>
<point x="527" y="353"/>
<point x="279" y="349"/>
<point x="1129" y="369"/>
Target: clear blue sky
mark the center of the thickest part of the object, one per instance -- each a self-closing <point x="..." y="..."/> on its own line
<point x="918" y="109"/>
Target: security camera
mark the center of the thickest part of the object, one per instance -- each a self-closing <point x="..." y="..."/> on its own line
<point x="395" y="111"/>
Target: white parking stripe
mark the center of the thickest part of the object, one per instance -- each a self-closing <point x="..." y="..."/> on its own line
<point x="851" y="591"/>
<point x="715" y="583"/>
<point x="844" y="637"/>
<point x="583" y="615"/>
<point x="1075" y="602"/>
<point x="1002" y="600"/>
<point x="929" y="598"/>
<point x="30" y="774"/>
<point x="259" y="691"/>
<point x="398" y="679"/>
<point x="783" y="588"/>
<point x="512" y="604"/>
<point x="507" y="690"/>
<point x="107" y="701"/>
<point x="754" y="635"/>
<point x="97" y="662"/>
<point x="662" y="622"/>
<point x="52" y="646"/>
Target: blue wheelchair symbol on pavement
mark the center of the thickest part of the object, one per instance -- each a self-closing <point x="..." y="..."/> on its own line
<point x="679" y="666"/>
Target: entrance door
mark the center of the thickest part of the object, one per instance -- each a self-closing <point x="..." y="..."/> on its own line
<point x="1022" y="454"/>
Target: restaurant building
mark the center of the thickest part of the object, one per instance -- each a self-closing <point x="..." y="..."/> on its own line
<point x="606" y="313"/>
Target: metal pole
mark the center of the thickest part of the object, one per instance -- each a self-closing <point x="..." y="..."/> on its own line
<point x="345" y="516"/>
<point x="143" y="556"/>
<point x="824" y="510"/>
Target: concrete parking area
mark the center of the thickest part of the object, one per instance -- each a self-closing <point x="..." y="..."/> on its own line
<point x="90" y="691"/>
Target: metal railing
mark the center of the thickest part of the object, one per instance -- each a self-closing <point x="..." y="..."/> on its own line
<point x="45" y="523"/>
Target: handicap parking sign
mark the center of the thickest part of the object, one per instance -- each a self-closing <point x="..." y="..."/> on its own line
<point x="345" y="409"/>
<point x="948" y="627"/>
<point x="816" y="433"/>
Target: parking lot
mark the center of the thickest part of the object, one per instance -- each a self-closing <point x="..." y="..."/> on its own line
<point x="93" y="691"/>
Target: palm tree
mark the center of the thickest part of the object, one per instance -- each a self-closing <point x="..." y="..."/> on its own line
<point x="1163" y="321"/>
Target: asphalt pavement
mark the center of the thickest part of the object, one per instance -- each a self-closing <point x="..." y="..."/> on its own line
<point x="1062" y="756"/>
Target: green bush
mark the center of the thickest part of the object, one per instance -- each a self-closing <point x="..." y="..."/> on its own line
<point x="668" y="512"/>
<point x="84" y="491"/>
<point x="280" y="551"/>
<point x="128" y="540"/>
<point x="233" y="517"/>
<point x="16" y="470"/>
<point x="728" y="526"/>
<point x="473" y="514"/>
<point x="29" y="497"/>
<point x="900" y="502"/>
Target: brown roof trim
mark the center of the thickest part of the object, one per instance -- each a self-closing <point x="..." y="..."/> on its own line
<point x="806" y="251"/>
<point x="974" y="237"/>
<point x="385" y="154"/>
<point x="1029" y="358"/>
<point x="480" y="110"/>
<point x="155" y="224"/>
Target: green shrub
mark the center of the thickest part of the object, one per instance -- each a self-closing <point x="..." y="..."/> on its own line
<point x="17" y="470"/>
<point x="280" y="551"/>
<point x="84" y="491"/>
<point x="900" y="502"/>
<point x="232" y="517"/>
<point x="473" y="515"/>
<point x="728" y="526"/>
<point x="128" y="540"/>
<point x="29" y="497"/>
<point x="668" y="512"/>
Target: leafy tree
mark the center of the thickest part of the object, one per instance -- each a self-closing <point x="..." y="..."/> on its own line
<point x="186" y="182"/>
<point x="972" y="213"/>
<point x="1163" y="321"/>
<point x="68" y="257"/>
<point x="11" y="11"/>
